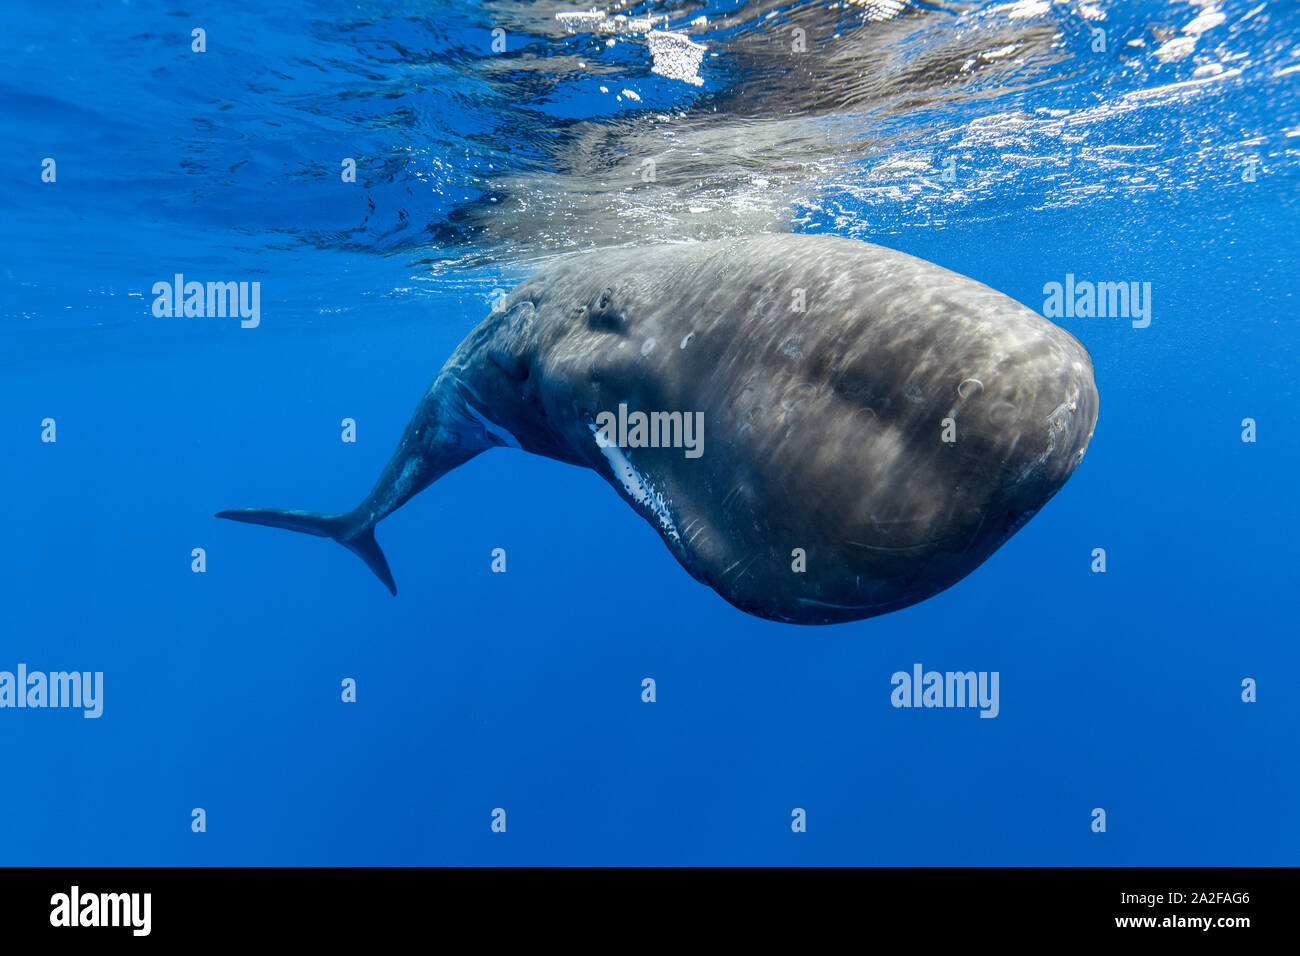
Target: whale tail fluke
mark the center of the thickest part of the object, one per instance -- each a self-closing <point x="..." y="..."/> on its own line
<point x="361" y="542"/>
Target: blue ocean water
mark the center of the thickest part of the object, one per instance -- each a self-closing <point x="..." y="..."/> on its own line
<point x="997" y="140"/>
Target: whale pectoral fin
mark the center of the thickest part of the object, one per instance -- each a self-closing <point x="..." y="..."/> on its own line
<point x="509" y="360"/>
<point x="362" y="543"/>
<point x="509" y="347"/>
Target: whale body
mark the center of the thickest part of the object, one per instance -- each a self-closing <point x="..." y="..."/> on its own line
<point x="820" y="429"/>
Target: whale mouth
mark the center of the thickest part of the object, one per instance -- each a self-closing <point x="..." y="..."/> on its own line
<point x="637" y="487"/>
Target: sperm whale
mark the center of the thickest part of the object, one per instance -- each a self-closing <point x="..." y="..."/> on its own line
<point x="820" y="429"/>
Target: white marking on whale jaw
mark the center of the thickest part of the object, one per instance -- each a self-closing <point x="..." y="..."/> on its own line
<point x="637" y="487"/>
<point x="492" y="429"/>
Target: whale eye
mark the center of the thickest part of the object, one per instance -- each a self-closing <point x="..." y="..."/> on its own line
<point x="604" y="313"/>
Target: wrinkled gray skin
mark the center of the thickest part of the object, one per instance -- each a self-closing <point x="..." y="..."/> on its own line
<point x="823" y="428"/>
